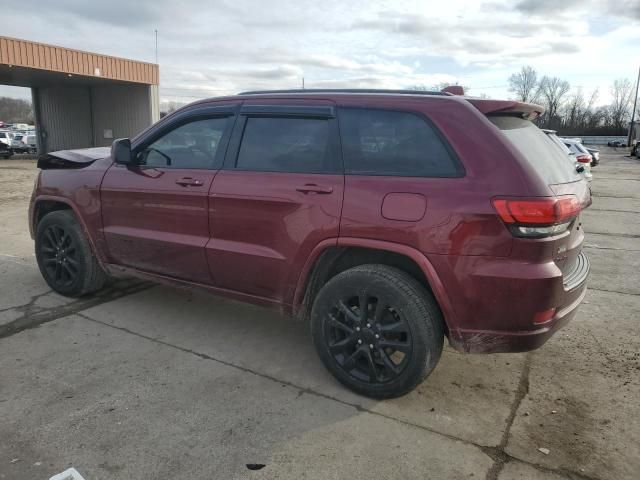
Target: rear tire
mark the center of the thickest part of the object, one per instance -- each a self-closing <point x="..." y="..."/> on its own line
<point x="64" y="256"/>
<point x="377" y="330"/>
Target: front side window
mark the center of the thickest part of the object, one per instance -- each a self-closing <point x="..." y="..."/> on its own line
<point x="192" y="145"/>
<point x="279" y="144"/>
<point x="382" y="142"/>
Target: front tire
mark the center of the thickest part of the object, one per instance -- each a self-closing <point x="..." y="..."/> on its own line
<point x="64" y="256"/>
<point x="377" y="330"/>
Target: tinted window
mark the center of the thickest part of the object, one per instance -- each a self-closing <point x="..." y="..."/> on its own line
<point x="379" y="142"/>
<point x="192" y="145"/>
<point x="553" y="165"/>
<point x="285" y="145"/>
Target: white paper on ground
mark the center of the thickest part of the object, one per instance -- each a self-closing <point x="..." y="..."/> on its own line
<point x="69" y="474"/>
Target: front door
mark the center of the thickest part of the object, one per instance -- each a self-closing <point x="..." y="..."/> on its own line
<point x="278" y="195"/>
<point x="155" y="214"/>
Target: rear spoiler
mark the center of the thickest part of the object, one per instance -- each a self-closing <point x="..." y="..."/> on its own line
<point x="509" y="107"/>
<point x="72" y="158"/>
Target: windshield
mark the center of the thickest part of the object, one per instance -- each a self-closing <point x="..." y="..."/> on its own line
<point x="553" y="165"/>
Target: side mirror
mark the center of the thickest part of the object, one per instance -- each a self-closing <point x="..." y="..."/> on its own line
<point x="121" y="151"/>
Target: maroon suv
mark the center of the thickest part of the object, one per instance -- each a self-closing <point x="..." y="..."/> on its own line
<point x="388" y="219"/>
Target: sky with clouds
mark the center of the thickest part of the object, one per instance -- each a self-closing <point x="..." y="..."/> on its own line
<point x="220" y="47"/>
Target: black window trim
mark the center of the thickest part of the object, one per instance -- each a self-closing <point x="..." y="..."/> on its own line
<point x="285" y="111"/>
<point x="304" y="111"/>
<point x="458" y="165"/>
<point x="187" y="116"/>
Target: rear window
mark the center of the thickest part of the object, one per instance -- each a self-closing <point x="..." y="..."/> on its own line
<point x="553" y="165"/>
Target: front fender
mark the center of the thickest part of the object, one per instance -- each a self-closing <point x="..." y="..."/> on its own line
<point x="90" y="231"/>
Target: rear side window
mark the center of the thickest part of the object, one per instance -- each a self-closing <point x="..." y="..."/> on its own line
<point x="280" y="144"/>
<point x="553" y="165"/>
<point x="383" y="142"/>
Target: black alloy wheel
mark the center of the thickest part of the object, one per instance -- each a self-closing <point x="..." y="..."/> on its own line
<point x="377" y="330"/>
<point x="59" y="256"/>
<point x="368" y="338"/>
<point x="64" y="255"/>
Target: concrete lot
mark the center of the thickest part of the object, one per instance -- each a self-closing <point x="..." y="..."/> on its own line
<point x="148" y="382"/>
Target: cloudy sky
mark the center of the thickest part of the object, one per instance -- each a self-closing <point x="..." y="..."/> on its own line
<point x="229" y="46"/>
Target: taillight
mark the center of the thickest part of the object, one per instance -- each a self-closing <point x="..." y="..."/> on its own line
<point x="540" y="217"/>
<point x="583" y="159"/>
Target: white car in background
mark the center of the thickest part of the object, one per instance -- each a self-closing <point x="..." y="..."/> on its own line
<point x="6" y="138"/>
<point x="581" y="167"/>
<point x="582" y="156"/>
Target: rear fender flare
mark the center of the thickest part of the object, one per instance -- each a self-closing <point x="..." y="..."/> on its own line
<point x="418" y="257"/>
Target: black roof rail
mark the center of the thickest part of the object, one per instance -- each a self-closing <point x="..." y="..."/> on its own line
<point x="345" y="90"/>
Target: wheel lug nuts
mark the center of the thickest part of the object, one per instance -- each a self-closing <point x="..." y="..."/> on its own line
<point x="377" y="336"/>
<point x="371" y="346"/>
<point x="359" y="342"/>
<point x="368" y="325"/>
<point x="357" y="329"/>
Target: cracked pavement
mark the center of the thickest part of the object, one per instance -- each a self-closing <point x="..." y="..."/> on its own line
<point x="145" y="381"/>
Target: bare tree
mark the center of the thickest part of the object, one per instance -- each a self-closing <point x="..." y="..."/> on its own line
<point x="15" y="110"/>
<point x="552" y="91"/>
<point x="622" y="94"/>
<point x="167" y="107"/>
<point x="574" y="110"/>
<point x="524" y="84"/>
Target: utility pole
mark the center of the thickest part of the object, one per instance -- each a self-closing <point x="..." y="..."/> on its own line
<point x="303" y="83"/>
<point x="633" y="113"/>
<point x="156" y="46"/>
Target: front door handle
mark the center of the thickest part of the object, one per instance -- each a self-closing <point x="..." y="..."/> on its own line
<point x="313" y="188"/>
<point x="189" y="182"/>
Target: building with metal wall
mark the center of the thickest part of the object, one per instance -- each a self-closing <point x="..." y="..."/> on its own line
<point x="81" y="99"/>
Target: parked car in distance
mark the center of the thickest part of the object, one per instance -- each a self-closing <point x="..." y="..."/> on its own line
<point x="595" y="156"/>
<point x="582" y="156"/>
<point x="616" y="143"/>
<point x="5" y="151"/>
<point x="6" y="138"/>
<point x="18" y="144"/>
<point x="373" y="215"/>
<point x="31" y="141"/>
<point x="571" y="156"/>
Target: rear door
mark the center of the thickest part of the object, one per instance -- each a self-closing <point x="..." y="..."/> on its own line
<point x="155" y="214"/>
<point x="278" y="196"/>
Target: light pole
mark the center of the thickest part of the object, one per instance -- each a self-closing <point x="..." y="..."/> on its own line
<point x="633" y="113"/>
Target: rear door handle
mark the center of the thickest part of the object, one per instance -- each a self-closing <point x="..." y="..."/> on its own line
<point x="189" y="182"/>
<point x="313" y="188"/>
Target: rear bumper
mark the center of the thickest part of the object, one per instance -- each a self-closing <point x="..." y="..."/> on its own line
<point x="496" y="301"/>
<point x="502" y="341"/>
